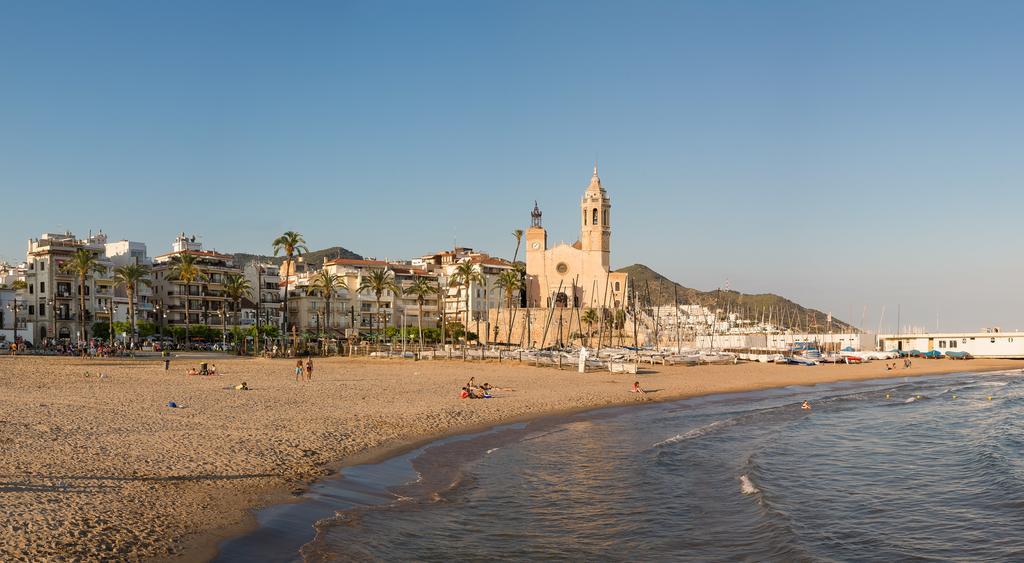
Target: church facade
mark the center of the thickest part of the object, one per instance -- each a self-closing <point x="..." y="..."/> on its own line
<point x="578" y="274"/>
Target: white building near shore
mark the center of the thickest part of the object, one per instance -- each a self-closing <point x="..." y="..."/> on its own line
<point x="990" y="344"/>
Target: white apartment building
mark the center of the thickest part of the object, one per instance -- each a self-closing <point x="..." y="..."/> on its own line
<point x="267" y="293"/>
<point x="207" y="302"/>
<point x="52" y="297"/>
<point x="482" y="297"/>
<point x="353" y="310"/>
<point x="122" y="253"/>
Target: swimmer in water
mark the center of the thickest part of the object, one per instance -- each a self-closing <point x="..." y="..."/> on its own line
<point x="806" y="406"/>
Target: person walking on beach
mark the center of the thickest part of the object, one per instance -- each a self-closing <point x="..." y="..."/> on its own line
<point x="167" y="360"/>
<point x="298" y="370"/>
<point x="309" y="368"/>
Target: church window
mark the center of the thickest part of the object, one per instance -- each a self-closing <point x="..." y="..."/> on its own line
<point x="595" y="215"/>
<point x="562" y="268"/>
<point x="616" y="286"/>
<point x="584" y="216"/>
<point x="606" y="218"/>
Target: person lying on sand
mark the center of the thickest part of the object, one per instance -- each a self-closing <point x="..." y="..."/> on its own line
<point x="465" y="393"/>
<point x="241" y="387"/>
<point x="192" y="371"/>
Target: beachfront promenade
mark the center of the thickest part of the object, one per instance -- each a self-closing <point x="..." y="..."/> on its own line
<point x="96" y="465"/>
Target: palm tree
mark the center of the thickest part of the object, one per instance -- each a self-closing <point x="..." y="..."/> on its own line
<point x="186" y="268"/>
<point x="421" y="288"/>
<point x="326" y="283"/>
<point x="465" y="275"/>
<point x="291" y="244"/>
<point x="377" y="281"/>
<point x="589" y="317"/>
<point x="236" y="286"/>
<point x="82" y="263"/>
<point x="508" y="282"/>
<point x="518" y="235"/>
<point x="130" y="276"/>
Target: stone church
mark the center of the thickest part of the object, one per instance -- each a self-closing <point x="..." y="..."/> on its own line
<point x="577" y="274"/>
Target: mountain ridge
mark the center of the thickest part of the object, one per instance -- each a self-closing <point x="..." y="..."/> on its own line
<point x="241" y="259"/>
<point x="658" y="290"/>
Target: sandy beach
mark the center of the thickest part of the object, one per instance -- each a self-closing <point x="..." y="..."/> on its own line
<point x="99" y="467"/>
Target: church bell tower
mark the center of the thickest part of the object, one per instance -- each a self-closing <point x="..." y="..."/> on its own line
<point x="596" y="230"/>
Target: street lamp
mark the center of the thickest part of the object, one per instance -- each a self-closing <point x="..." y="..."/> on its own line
<point x="109" y="309"/>
<point x="160" y="315"/>
<point x="14" y="306"/>
<point x="224" y="328"/>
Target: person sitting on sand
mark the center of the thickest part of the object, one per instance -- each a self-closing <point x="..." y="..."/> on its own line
<point x="212" y="370"/>
<point x="465" y="393"/>
<point x="806" y="406"/>
<point x="637" y="389"/>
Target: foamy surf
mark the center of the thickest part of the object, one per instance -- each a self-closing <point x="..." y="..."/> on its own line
<point x="747" y="486"/>
<point x="492" y="450"/>
<point x="695" y="433"/>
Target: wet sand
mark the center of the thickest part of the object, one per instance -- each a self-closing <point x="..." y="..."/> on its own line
<point x="100" y="468"/>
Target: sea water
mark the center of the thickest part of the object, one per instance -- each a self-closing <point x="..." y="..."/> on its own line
<point x="875" y="471"/>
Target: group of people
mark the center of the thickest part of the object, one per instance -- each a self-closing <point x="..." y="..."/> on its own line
<point x="308" y="369"/>
<point x="473" y="391"/>
<point x="203" y="369"/>
<point x="906" y="364"/>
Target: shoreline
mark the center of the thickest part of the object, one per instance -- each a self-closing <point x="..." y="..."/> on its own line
<point x="193" y="477"/>
<point x="387" y="452"/>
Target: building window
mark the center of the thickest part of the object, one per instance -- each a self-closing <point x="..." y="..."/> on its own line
<point x="595" y="215"/>
<point x="562" y="268"/>
<point x="616" y="286"/>
<point x="42" y="287"/>
<point x="952" y="343"/>
<point x="606" y="218"/>
<point x="42" y="266"/>
<point x="942" y="343"/>
<point x="31" y="309"/>
<point x="992" y="340"/>
<point x="584" y="217"/>
<point x="31" y="289"/>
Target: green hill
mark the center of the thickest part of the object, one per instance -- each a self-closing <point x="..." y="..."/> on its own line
<point x="656" y="289"/>
<point x="314" y="257"/>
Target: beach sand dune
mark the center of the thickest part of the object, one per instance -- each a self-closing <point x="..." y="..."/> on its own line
<point x="95" y="465"/>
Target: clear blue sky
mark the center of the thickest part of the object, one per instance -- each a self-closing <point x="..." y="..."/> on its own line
<point x="840" y="153"/>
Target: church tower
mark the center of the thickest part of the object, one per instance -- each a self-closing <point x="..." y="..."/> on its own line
<point x="596" y="230"/>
